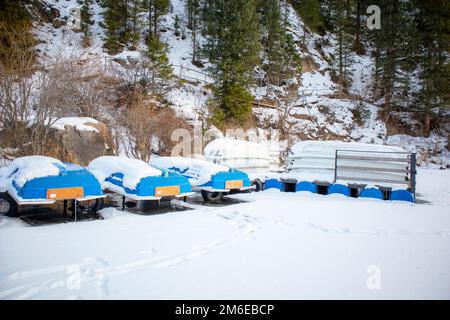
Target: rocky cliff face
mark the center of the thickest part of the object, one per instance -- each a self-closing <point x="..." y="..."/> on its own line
<point x="81" y="146"/>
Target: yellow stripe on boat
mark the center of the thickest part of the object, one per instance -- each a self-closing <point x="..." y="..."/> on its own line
<point x="65" y="193"/>
<point x="234" y="184"/>
<point x="167" y="191"/>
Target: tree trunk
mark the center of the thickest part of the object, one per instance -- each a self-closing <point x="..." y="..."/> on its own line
<point x="341" y="66"/>
<point x="125" y="17"/>
<point x="189" y="14"/>
<point x="155" y="20"/>
<point x="426" y="124"/>
<point x="358" y="29"/>
<point x="348" y="9"/>
<point x="376" y="74"/>
<point x="304" y="34"/>
<point x="149" y="18"/>
<point x="194" y="42"/>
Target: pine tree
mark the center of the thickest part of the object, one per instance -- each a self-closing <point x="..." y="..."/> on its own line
<point x="326" y="9"/>
<point x="158" y="64"/>
<point x="282" y="55"/>
<point x="233" y="47"/>
<point x="360" y="6"/>
<point x="432" y="20"/>
<point x="340" y="23"/>
<point x="176" y="25"/>
<point x="274" y="39"/>
<point x="86" y="21"/>
<point x="193" y="10"/>
<point x="114" y="22"/>
<point x="135" y="23"/>
<point x="310" y="12"/>
<point x="154" y="9"/>
<point x="15" y="31"/>
<point x="392" y="49"/>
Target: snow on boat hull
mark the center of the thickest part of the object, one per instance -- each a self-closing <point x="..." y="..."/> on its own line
<point x="73" y="183"/>
<point x="226" y="181"/>
<point x="138" y="180"/>
<point x="204" y="175"/>
<point x="151" y="188"/>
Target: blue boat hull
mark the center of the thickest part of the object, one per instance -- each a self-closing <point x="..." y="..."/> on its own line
<point x="219" y="180"/>
<point x="72" y="176"/>
<point x="146" y="188"/>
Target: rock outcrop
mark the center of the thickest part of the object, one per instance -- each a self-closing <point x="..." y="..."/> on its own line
<point x="81" y="146"/>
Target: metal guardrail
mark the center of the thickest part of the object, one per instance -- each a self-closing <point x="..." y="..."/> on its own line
<point x="404" y="173"/>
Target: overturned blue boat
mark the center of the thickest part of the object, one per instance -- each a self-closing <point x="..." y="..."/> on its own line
<point x="137" y="180"/>
<point x="350" y="169"/>
<point x="45" y="180"/>
<point x="212" y="180"/>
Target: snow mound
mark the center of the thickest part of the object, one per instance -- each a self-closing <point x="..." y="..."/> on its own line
<point x="133" y="170"/>
<point x="331" y="146"/>
<point x="80" y="123"/>
<point x="197" y="171"/>
<point x="24" y="169"/>
<point x="238" y="153"/>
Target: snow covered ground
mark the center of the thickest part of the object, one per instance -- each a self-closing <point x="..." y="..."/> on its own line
<point x="275" y="245"/>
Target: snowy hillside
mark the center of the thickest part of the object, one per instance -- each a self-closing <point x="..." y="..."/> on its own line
<point x="302" y="108"/>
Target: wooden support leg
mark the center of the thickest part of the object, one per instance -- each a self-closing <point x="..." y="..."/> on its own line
<point x="65" y="209"/>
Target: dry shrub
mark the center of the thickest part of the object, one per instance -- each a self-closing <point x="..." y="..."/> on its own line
<point x="147" y="129"/>
<point x="167" y="122"/>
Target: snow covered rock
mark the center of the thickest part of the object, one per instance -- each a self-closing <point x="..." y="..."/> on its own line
<point x="80" y="140"/>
